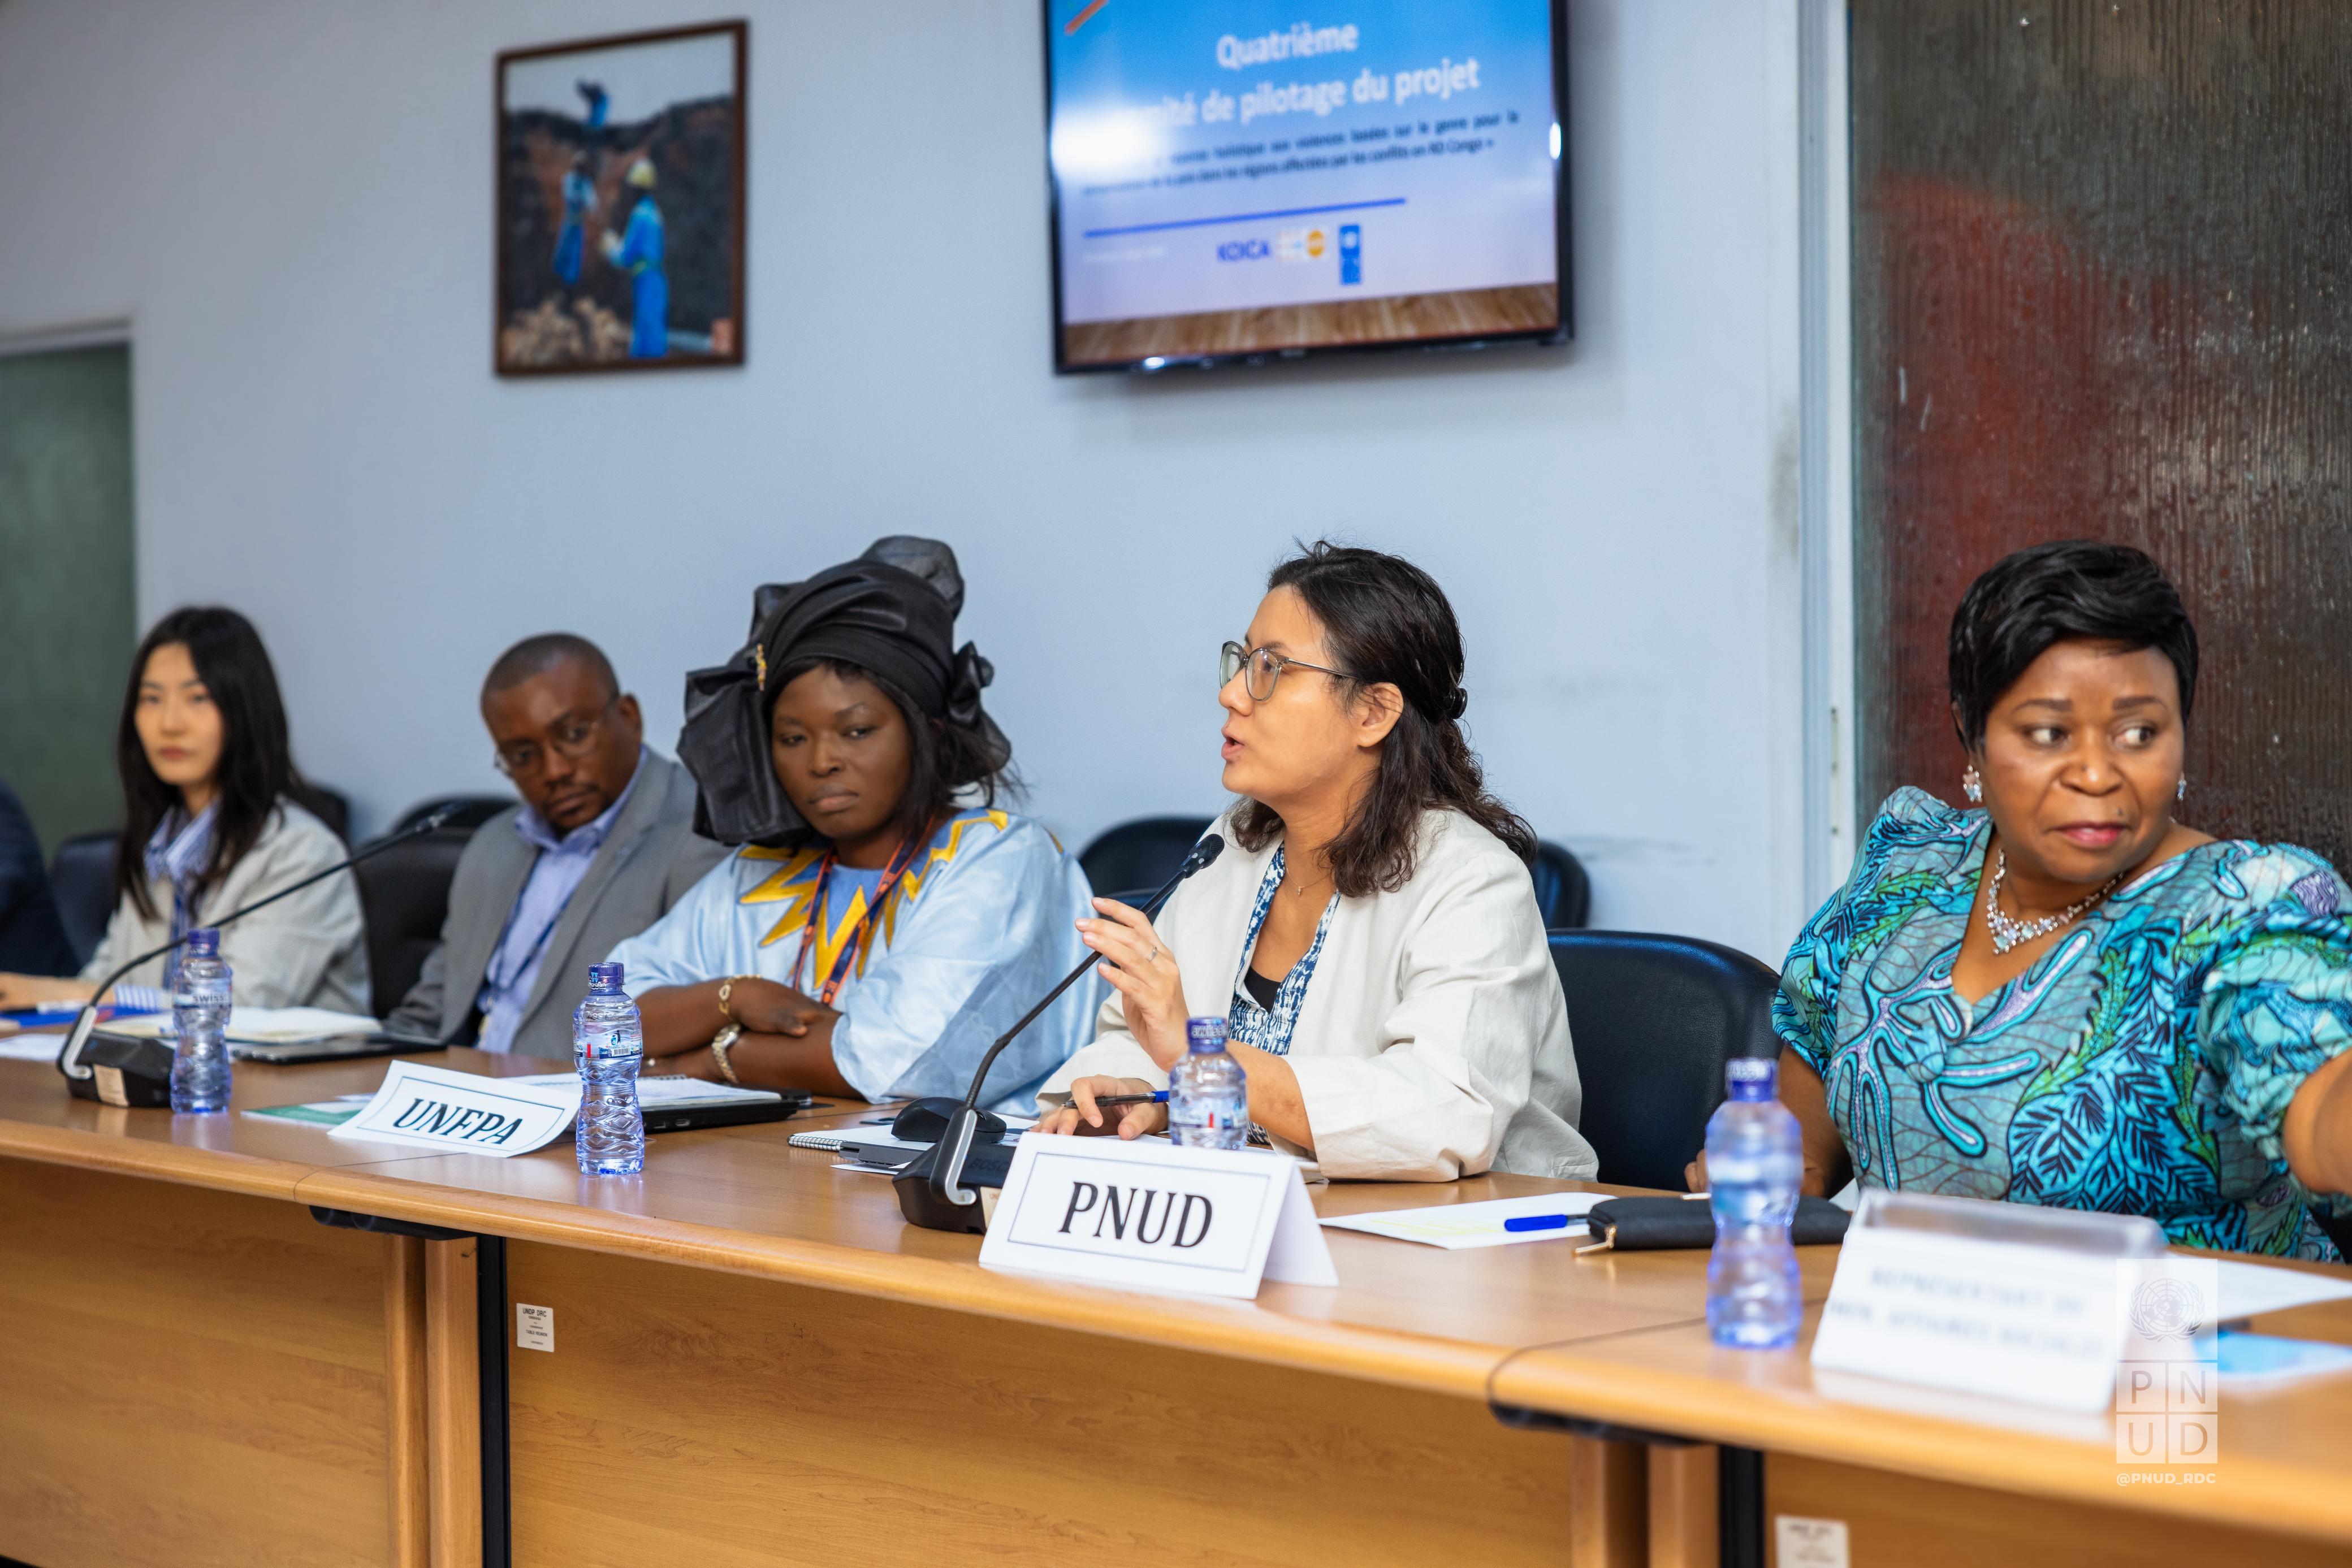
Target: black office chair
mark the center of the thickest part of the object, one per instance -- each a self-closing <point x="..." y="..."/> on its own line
<point x="1129" y="862"/>
<point x="82" y="875"/>
<point x="1562" y="890"/>
<point x="1654" y="1019"/>
<point x="404" y="893"/>
<point x="472" y="812"/>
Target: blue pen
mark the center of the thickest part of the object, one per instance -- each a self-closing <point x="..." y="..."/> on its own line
<point x="1538" y="1222"/>
<point x="1159" y="1097"/>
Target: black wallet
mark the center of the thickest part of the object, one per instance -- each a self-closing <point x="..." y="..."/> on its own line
<point x="1662" y="1224"/>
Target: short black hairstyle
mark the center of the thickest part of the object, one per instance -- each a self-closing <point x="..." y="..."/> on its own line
<point x="2047" y="594"/>
<point x="537" y="655"/>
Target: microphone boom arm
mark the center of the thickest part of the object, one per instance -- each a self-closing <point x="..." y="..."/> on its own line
<point x="69" y="1056"/>
<point x="955" y="1140"/>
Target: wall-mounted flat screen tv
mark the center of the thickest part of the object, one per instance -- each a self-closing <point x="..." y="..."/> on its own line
<point x="1260" y="178"/>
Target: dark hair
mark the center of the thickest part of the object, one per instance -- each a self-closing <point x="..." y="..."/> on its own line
<point x="255" y="768"/>
<point x="1385" y="620"/>
<point x="536" y="655"/>
<point x="948" y="759"/>
<point x="2046" y="595"/>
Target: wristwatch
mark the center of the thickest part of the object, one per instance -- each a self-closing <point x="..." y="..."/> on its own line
<point x="720" y="1044"/>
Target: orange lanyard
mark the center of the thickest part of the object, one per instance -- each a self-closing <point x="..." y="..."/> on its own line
<point x="843" y="963"/>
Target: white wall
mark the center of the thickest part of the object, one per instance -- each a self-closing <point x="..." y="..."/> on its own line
<point x="290" y="201"/>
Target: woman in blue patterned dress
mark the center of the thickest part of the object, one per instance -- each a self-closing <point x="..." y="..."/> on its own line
<point x="2069" y="998"/>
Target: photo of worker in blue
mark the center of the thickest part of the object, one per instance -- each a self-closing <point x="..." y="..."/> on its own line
<point x="620" y="205"/>
<point x="638" y="253"/>
<point x="579" y="202"/>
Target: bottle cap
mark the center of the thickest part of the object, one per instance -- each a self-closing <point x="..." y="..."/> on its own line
<point x="1206" y="1034"/>
<point x="1751" y="1077"/>
<point x="605" y="977"/>
<point x="203" y="942"/>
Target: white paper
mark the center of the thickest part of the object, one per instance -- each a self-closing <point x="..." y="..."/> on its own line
<point x="2249" y="1289"/>
<point x="433" y="1108"/>
<point x="866" y="1167"/>
<point x="1457" y="1225"/>
<point x="259" y="1026"/>
<point x="1151" y="1216"/>
<point x="664" y="1092"/>
<point x="30" y="1046"/>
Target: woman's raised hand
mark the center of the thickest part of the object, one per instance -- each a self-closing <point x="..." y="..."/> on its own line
<point x="1087" y="1119"/>
<point x="1143" y="972"/>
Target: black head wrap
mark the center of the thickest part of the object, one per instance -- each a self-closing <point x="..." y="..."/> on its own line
<point x="890" y="611"/>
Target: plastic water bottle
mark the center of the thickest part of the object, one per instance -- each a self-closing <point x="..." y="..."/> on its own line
<point x="1755" y="1163"/>
<point x="608" y="1045"/>
<point x="1208" y="1094"/>
<point x="199" y="1074"/>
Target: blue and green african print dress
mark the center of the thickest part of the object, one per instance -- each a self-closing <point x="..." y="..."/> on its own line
<point x="2142" y="1065"/>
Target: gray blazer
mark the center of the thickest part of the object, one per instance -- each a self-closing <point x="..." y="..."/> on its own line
<point x="647" y="862"/>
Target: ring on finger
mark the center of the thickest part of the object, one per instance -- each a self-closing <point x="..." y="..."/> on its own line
<point x="1152" y="957"/>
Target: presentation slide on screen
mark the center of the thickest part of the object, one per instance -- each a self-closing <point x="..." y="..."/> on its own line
<point x="1227" y="155"/>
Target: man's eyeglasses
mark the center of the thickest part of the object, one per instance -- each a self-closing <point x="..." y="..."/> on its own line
<point x="1265" y="667"/>
<point x="572" y="738"/>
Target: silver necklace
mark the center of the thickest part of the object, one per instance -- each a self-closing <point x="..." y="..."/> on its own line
<point x="2008" y="932"/>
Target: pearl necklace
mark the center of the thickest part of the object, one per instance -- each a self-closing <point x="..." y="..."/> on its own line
<point x="2008" y="932"/>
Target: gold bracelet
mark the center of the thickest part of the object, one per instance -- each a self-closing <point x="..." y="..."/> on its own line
<point x="720" y="1044"/>
<point x="725" y="990"/>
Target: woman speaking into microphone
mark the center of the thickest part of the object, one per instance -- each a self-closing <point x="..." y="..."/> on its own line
<point x="1372" y="937"/>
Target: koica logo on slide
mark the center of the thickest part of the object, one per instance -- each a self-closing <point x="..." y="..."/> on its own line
<point x="1243" y="250"/>
<point x="1300" y="245"/>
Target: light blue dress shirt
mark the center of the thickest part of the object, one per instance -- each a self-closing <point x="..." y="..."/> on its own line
<point x="982" y="924"/>
<point x="513" y="971"/>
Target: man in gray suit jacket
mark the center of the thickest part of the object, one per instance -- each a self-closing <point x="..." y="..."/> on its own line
<point x="602" y="845"/>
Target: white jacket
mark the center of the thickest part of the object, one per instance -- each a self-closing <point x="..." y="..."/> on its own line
<point x="1432" y="1042"/>
<point x="310" y="950"/>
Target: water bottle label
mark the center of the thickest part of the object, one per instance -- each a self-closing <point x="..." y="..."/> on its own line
<point x="612" y="1045"/>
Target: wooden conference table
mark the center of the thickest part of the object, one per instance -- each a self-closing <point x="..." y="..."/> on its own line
<point x="755" y="1360"/>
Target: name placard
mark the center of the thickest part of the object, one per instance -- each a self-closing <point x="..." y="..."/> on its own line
<point x="435" y="1108"/>
<point x="2037" y="1324"/>
<point x="1148" y="1215"/>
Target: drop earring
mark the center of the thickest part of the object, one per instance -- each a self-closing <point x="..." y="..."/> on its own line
<point x="2180" y="790"/>
<point x="1971" y="785"/>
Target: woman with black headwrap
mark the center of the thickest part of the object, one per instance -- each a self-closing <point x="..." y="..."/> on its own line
<point x="883" y="920"/>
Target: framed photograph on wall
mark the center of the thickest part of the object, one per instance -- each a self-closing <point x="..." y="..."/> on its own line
<point x="620" y="202"/>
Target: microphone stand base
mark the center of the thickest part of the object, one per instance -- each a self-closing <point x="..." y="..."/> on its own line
<point x="124" y="1071"/>
<point x="923" y="1206"/>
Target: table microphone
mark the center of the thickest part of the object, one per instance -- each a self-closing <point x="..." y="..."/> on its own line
<point x="931" y="1187"/>
<point x="82" y="1079"/>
